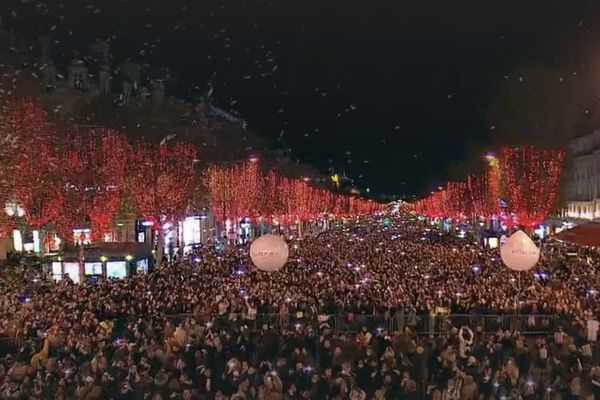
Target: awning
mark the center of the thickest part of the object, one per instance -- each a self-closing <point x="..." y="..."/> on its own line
<point x="583" y="235"/>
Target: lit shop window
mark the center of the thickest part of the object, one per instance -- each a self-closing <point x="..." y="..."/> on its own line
<point x="57" y="270"/>
<point x="191" y="230"/>
<point x="17" y="240"/>
<point x="82" y="236"/>
<point x="72" y="270"/>
<point x="93" y="268"/>
<point x="116" y="269"/>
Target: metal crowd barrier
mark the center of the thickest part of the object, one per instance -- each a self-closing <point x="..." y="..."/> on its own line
<point x="431" y="325"/>
<point x="13" y="346"/>
<point x="527" y="324"/>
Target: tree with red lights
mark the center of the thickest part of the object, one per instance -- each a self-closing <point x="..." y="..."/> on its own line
<point x="531" y="177"/>
<point x="298" y="199"/>
<point x="94" y="165"/>
<point x="341" y="205"/>
<point x="285" y="193"/>
<point x="481" y="201"/>
<point x="28" y="162"/>
<point x="220" y="191"/>
<point x="327" y="201"/>
<point x="434" y="205"/>
<point x="39" y="184"/>
<point x="235" y="191"/>
<point x="456" y="196"/>
<point x="161" y="178"/>
<point x="247" y="179"/>
<point x="240" y="190"/>
<point x="271" y="202"/>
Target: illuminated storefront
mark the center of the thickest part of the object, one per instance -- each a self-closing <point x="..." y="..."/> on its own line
<point x="187" y="233"/>
<point x="107" y="260"/>
<point x="93" y="268"/>
<point x="244" y="231"/>
<point x="71" y="269"/>
<point x="191" y="231"/>
<point x="184" y="234"/>
<point x="17" y="240"/>
<point x="35" y="241"/>
<point x="82" y="236"/>
<point x="116" y="269"/>
<point x="52" y="243"/>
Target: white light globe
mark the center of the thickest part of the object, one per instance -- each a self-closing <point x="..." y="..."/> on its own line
<point x="269" y="252"/>
<point x="519" y="253"/>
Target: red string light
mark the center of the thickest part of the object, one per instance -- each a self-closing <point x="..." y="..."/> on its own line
<point x="531" y="178"/>
<point x="456" y="197"/>
<point x="482" y="198"/>
<point x="271" y="202"/>
<point x="241" y="190"/>
<point x="93" y="167"/>
<point x="162" y="179"/>
<point x="31" y="181"/>
<point x="74" y="179"/>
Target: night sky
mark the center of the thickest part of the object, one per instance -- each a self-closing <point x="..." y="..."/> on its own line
<point x="388" y="92"/>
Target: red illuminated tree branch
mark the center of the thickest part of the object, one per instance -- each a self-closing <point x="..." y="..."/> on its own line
<point x="74" y="177"/>
<point x="220" y="188"/>
<point x="234" y="190"/>
<point x="30" y="162"/>
<point x="240" y="190"/>
<point x="531" y="178"/>
<point x="161" y="178"/>
<point x="482" y="199"/>
<point x="271" y="202"/>
<point x="456" y="200"/>
<point x="94" y="165"/>
<point x="433" y="206"/>
<point x="247" y="189"/>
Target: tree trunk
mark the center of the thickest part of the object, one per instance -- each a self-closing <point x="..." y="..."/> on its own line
<point x="81" y="263"/>
<point x="160" y="246"/>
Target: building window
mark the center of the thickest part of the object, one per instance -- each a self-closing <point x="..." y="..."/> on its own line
<point x="78" y="80"/>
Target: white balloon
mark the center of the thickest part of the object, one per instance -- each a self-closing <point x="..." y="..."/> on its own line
<point x="519" y="253"/>
<point x="269" y="252"/>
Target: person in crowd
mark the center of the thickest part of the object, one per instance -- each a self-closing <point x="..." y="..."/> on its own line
<point x="365" y="311"/>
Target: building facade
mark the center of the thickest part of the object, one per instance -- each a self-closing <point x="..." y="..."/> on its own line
<point x="583" y="183"/>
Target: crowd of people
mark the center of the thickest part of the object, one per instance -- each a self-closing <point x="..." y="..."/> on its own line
<point x="211" y="326"/>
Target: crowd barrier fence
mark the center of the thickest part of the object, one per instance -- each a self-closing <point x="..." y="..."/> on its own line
<point x="527" y="324"/>
<point x="424" y="325"/>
